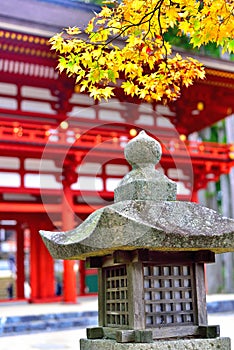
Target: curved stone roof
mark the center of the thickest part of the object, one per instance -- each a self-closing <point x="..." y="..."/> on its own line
<point x="155" y="222"/>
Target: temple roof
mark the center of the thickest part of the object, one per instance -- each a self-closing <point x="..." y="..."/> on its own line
<point x="150" y="219"/>
<point x="45" y="17"/>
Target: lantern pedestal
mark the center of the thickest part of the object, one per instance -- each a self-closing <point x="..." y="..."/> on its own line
<point x="180" y="344"/>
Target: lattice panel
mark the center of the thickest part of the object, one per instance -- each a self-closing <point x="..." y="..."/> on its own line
<point x="116" y="296"/>
<point x="168" y="292"/>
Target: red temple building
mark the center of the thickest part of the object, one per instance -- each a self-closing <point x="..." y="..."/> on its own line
<point x="62" y="153"/>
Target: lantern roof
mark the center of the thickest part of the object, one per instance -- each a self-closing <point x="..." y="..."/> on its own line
<point x="145" y="215"/>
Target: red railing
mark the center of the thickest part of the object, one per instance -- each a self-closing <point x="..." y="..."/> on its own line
<point x="104" y="138"/>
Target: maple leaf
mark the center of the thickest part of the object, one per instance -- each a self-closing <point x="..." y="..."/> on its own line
<point x="106" y="12"/>
<point x="95" y="93"/>
<point x="107" y="92"/>
<point x="230" y="47"/>
<point x="73" y="30"/>
<point x="84" y="85"/>
<point x="129" y="88"/>
<point x="185" y="27"/>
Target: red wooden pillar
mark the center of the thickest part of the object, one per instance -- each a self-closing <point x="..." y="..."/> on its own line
<point x="82" y="277"/>
<point x="195" y="195"/>
<point x="20" y="262"/>
<point x="42" y="280"/>
<point x="69" y="274"/>
<point x="34" y="265"/>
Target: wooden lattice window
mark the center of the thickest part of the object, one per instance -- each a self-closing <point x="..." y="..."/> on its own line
<point x="116" y="296"/>
<point x="169" y="295"/>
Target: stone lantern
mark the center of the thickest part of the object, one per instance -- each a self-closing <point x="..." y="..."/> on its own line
<point x="150" y="250"/>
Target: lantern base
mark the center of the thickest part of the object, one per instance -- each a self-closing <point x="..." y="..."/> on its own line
<point x="180" y="344"/>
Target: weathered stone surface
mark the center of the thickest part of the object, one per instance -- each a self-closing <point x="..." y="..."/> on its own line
<point x="144" y="182"/>
<point x="145" y="215"/>
<point x="144" y="224"/>
<point x="187" y="344"/>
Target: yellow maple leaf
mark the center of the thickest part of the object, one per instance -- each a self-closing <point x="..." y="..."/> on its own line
<point x="95" y="93"/>
<point x="73" y="30"/>
<point x="129" y="88"/>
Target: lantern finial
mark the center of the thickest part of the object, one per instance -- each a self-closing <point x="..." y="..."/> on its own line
<point x="143" y="151"/>
<point x="144" y="182"/>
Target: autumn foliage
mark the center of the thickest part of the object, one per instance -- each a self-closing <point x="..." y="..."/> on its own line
<point x="124" y="45"/>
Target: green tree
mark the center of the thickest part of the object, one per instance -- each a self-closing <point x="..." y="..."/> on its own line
<point x="96" y="2"/>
